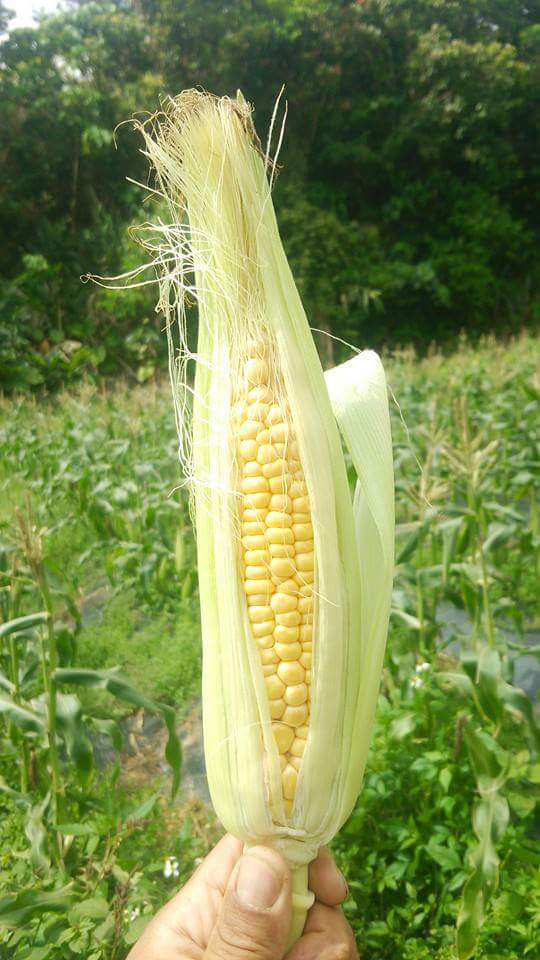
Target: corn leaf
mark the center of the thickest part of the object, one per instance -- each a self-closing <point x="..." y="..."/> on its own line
<point x="22" y="624"/>
<point x="116" y="684"/>
<point x="18" y="909"/>
<point x="490" y="819"/>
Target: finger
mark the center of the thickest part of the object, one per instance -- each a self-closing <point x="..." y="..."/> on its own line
<point x="217" y="867"/>
<point x="255" y="915"/>
<point x="214" y="872"/>
<point x="327" y="936"/>
<point x="326" y="880"/>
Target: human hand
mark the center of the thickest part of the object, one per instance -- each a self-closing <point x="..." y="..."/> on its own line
<point x="239" y="905"/>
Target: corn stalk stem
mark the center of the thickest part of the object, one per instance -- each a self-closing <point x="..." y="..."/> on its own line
<point x="49" y="662"/>
<point x="488" y="615"/>
<point x="535" y="528"/>
<point x="14" y="734"/>
<point x="478" y="549"/>
<point x="489" y="628"/>
<point x="302" y="899"/>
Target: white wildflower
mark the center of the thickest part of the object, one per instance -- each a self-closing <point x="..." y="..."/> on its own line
<point x="171" y="868"/>
<point x="131" y="913"/>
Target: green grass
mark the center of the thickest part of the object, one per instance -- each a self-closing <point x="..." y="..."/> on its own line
<point x="161" y="652"/>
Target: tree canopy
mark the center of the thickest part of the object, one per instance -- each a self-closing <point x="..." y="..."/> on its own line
<point x="406" y="194"/>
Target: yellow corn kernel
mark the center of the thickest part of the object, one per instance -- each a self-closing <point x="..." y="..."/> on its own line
<point x="304" y="577"/>
<point x="257" y="411"/>
<point x="290" y="672"/>
<point x="253" y="515"/>
<point x="249" y="429"/>
<point x="260" y="395"/>
<point x="256" y="558"/>
<point x="283" y="567"/>
<point x="280" y="484"/>
<point x="266" y="454"/>
<point x="260" y="587"/>
<point x="276" y="468"/>
<point x="281" y="502"/>
<point x="279" y="433"/>
<point x="302" y="531"/>
<point x="275" y="535"/>
<point x="257" y="573"/>
<point x="277" y="708"/>
<point x="254" y="542"/>
<point x="283" y="735"/>
<point x="256" y="371"/>
<point x="260" y="614"/>
<point x="265" y="643"/>
<point x="275" y="414"/>
<point x="259" y="500"/>
<point x="288" y="779"/>
<point x="296" y="695"/>
<point x="297" y="489"/>
<point x="290" y="619"/>
<point x="248" y="449"/>
<point x="283" y="602"/>
<point x="258" y="484"/>
<point x="251" y="529"/>
<point x="305" y="562"/>
<point x="262" y="629"/>
<point x="287" y="634"/>
<point x="295" y="716"/>
<point x="304" y="546"/>
<point x="298" y="746"/>
<point x="269" y="656"/>
<point x="276" y="519"/>
<point x="289" y="587"/>
<point x="275" y="688"/>
<point x="252" y="469"/>
<point x="288" y="651"/>
<point x="257" y="600"/>
<point x="281" y="549"/>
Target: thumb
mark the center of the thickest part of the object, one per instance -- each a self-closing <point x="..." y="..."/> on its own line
<point x="255" y="915"/>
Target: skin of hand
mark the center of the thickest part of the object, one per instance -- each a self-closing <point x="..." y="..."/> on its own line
<point x="238" y="905"/>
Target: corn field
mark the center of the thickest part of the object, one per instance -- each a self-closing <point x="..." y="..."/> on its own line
<point x="99" y="623"/>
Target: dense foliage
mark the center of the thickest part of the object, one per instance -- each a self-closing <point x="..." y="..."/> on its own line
<point x="408" y="182"/>
<point x="97" y="568"/>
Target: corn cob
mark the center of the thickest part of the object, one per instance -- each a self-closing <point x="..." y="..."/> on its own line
<point x="294" y="579"/>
